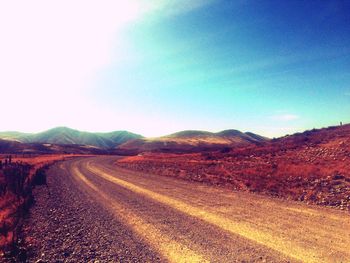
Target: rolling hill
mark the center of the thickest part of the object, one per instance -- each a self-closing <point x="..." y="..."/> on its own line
<point x="15" y="147"/>
<point x="192" y="141"/>
<point x="67" y="136"/>
<point x="124" y="142"/>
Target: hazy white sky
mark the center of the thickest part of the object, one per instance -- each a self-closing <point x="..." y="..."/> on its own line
<point x="51" y="51"/>
<point x="159" y="66"/>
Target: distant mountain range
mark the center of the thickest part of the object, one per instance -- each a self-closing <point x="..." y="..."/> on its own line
<point x="124" y="142"/>
<point x="15" y="147"/>
<point x="192" y="141"/>
<point x="67" y="136"/>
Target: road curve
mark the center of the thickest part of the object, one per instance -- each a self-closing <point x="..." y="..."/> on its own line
<point x="147" y="218"/>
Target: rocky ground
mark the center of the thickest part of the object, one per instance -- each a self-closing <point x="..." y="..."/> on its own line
<point x="311" y="167"/>
<point x="19" y="174"/>
<point x="64" y="225"/>
<point x="92" y="211"/>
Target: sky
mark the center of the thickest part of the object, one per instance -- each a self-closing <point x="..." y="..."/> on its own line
<point x="160" y="66"/>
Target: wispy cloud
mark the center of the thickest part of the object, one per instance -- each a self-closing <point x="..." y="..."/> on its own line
<point x="174" y="7"/>
<point x="277" y="61"/>
<point x="279" y="130"/>
<point x="285" y="117"/>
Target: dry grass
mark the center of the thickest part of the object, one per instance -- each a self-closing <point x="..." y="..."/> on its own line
<point x="310" y="167"/>
<point x="16" y="182"/>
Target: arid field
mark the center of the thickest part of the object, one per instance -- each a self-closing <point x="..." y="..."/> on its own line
<point x="252" y="199"/>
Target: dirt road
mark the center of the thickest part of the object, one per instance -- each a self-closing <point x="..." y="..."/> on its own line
<point x="96" y="211"/>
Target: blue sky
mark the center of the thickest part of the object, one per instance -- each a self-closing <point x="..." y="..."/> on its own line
<point x="271" y="67"/>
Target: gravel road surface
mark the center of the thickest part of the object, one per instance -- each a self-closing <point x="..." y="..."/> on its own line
<point x="93" y="211"/>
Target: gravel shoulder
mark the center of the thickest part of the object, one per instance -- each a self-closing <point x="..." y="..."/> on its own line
<point x="67" y="225"/>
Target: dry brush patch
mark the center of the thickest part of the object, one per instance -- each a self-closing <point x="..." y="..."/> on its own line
<point x="312" y="167"/>
<point x="18" y="175"/>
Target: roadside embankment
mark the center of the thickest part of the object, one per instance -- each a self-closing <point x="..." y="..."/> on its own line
<point x="18" y="176"/>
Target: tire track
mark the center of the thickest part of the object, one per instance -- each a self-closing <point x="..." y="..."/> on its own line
<point x="319" y="248"/>
<point x="171" y="250"/>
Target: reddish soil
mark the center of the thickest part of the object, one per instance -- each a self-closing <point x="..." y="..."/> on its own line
<point x="312" y="167"/>
<point x="16" y="181"/>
